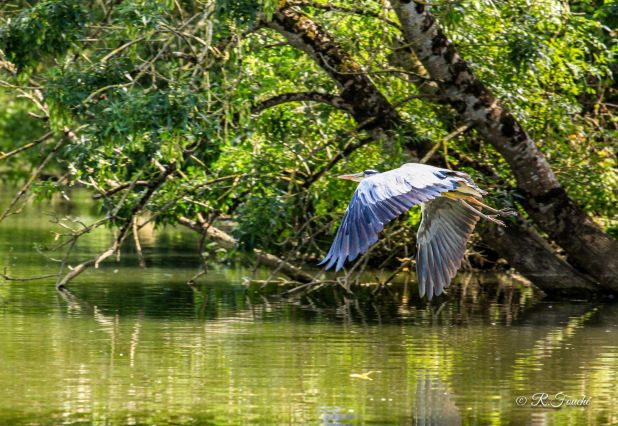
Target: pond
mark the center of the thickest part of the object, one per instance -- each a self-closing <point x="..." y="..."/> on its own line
<point x="139" y="346"/>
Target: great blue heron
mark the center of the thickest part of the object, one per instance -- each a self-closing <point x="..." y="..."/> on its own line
<point x="450" y="205"/>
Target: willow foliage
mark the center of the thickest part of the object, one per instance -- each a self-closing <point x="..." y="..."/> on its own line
<point x="145" y="84"/>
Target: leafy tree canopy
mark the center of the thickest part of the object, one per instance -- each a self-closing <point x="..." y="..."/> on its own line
<point x="134" y="88"/>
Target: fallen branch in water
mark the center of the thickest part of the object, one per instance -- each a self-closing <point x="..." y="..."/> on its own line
<point x="124" y="231"/>
<point x="35" y="278"/>
<point x="228" y="242"/>
<point x="314" y="285"/>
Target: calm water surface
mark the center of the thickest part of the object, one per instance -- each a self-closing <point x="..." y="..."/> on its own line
<point x="133" y="346"/>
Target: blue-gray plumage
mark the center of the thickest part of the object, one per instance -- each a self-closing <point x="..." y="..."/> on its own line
<point x="448" y="219"/>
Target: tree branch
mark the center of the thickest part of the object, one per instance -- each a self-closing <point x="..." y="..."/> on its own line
<point x="35" y="174"/>
<point x="228" y="242"/>
<point x="350" y="10"/>
<point x="119" y="188"/>
<point x="348" y="149"/>
<point x="152" y="187"/>
<point x="366" y="103"/>
<point x="45" y="137"/>
<point x="325" y="98"/>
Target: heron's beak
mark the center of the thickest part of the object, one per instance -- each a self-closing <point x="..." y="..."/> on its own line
<point x="353" y="176"/>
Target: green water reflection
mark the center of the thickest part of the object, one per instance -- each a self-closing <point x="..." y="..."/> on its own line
<point x="132" y="346"/>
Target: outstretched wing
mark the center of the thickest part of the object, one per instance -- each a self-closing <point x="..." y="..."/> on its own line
<point x="441" y="240"/>
<point x="378" y="200"/>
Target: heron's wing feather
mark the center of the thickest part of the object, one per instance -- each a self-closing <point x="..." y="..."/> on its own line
<point x="441" y="240"/>
<point x="378" y="200"/>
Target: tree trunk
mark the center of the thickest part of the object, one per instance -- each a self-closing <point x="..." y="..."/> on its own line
<point x="527" y="252"/>
<point x="367" y="104"/>
<point x="586" y="245"/>
<point x="519" y="243"/>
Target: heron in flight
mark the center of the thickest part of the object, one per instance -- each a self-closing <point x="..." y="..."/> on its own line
<point x="450" y="205"/>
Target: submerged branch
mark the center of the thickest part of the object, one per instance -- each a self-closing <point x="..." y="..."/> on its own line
<point x="35" y="278"/>
<point x="228" y="242"/>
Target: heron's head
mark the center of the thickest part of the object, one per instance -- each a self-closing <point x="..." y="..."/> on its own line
<point x="357" y="177"/>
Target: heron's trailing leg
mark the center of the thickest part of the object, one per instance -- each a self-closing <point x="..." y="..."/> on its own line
<point x="470" y="199"/>
<point x="483" y="215"/>
<point x="502" y="212"/>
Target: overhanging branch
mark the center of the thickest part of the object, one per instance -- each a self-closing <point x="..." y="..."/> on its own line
<point x="367" y="104"/>
<point x="349" y="10"/>
<point x="325" y="98"/>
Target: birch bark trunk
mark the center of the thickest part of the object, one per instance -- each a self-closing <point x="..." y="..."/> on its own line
<point x="586" y="245"/>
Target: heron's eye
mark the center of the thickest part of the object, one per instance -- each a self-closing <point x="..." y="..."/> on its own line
<point x="370" y="172"/>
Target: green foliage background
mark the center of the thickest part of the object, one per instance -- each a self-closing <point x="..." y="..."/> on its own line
<point x="139" y="82"/>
